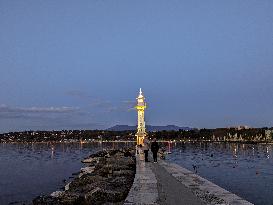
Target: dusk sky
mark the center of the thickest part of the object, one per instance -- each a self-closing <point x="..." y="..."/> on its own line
<point x="80" y="64"/>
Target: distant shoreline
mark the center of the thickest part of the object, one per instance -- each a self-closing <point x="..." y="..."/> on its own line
<point x="251" y="135"/>
<point x="134" y="141"/>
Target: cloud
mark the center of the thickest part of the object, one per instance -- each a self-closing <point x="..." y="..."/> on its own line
<point x="100" y="105"/>
<point x="128" y="102"/>
<point x="49" y="109"/>
<point x="108" y="107"/>
<point x="47" y="122"/>
<point x="103" y="105"/>
<point x="25" y="118"/>
<point x="79" y="94"/>
<point x="112" y="109"/>
<point x="20" y="112"/>
<point x="128" y="105"/>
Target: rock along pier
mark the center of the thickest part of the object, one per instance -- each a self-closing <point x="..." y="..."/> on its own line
<point x="106" y="179"/>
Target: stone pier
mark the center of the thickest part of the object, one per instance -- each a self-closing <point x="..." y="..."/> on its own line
<point x="170" y="184"/>
<point x="144" y="189"/>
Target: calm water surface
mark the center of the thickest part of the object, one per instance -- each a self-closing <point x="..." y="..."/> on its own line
<point x="28" y="170"/>
<point x="244" y="169"/>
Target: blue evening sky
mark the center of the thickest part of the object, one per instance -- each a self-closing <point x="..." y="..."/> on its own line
<point x="79" y="64"/>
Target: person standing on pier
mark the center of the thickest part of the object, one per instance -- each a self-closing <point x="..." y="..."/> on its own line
<point x="154" y="149"/>
<point x="146" y="143"/>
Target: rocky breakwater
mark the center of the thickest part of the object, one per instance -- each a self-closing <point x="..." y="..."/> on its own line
<point x="106" y="179"/>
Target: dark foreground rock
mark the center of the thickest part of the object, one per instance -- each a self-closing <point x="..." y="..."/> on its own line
<point x="107" y="179"/>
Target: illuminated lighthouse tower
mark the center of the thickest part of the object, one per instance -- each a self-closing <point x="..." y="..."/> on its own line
<point x="140" y="107"/>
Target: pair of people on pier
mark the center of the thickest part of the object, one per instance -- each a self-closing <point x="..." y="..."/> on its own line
<point x="154" y="148"/>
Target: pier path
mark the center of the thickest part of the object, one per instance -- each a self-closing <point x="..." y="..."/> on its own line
<point x="166" y="183"/>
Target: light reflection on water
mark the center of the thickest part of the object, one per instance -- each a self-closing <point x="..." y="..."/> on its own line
<point x="244" y="169"/>
<point x="28" y="170"/>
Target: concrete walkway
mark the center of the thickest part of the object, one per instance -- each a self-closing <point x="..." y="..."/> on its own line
<point x="205" y="190"/>
<point x="167" y="183"/>
<point x="154" y="185"/>
<point x="171" y="191"/>
<point x="144" y="189"/>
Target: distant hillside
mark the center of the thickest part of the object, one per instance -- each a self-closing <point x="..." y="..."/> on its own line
<point x="149" y="128"/>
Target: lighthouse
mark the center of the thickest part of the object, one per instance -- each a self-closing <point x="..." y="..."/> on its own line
<point x="140" y="107"/>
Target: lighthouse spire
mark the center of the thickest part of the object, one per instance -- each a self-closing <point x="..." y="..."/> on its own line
<point x="140" y="107"/>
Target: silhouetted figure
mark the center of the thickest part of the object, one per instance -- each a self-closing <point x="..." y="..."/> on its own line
<point x="154" y="149"/>
<point x="146" y="149"/>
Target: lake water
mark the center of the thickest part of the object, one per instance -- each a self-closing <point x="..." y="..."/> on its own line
<point x="244" y="169"/>
<point x="29" y="170"/>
